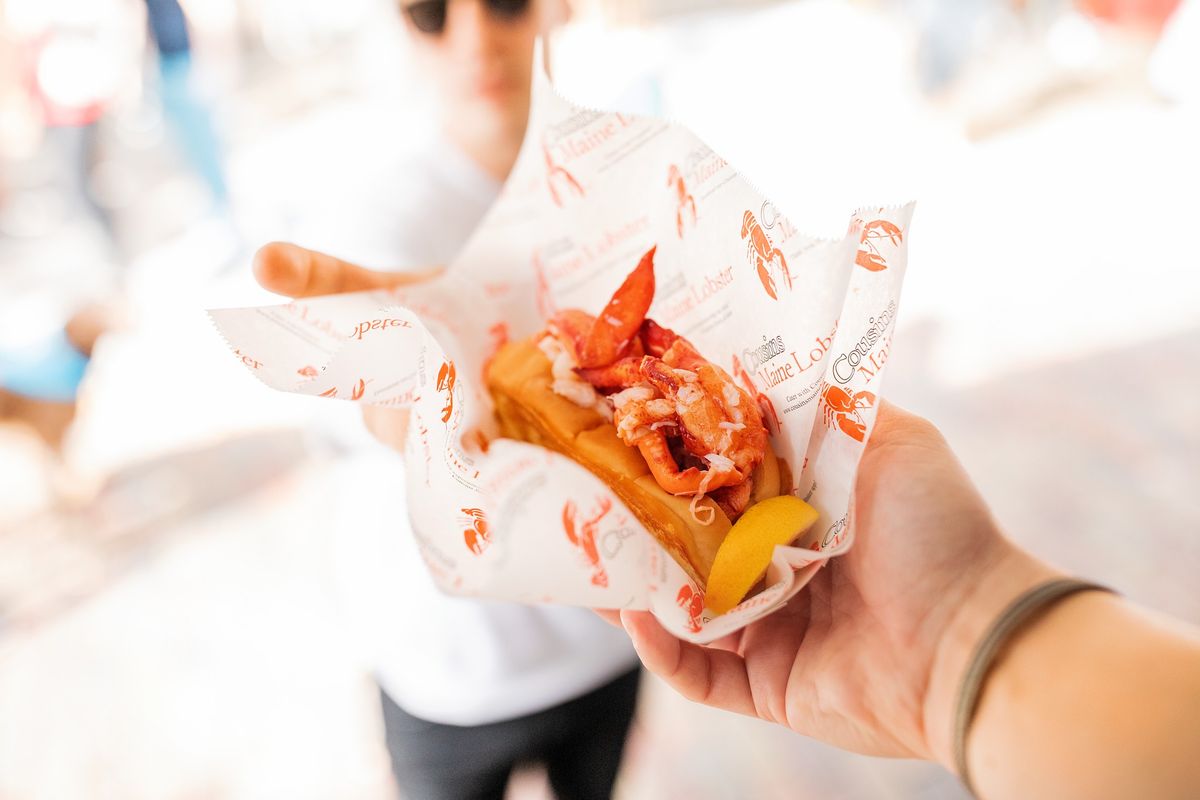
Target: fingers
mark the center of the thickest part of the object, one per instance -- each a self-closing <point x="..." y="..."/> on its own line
<point x="890" y="414"/>
<point x="294" y="271"/>
<point x="714" y="677"/>
<point x="610" y="615"/>
<point x="388" y="425"/>
<point x="894" y="425"/>
<point x="732" y="643"/>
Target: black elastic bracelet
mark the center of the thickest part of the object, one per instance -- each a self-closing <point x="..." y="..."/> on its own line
<point x="1013" y="617"/>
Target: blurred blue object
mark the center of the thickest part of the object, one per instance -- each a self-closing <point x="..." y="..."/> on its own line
<point x="168" y="25"/>
<point x="192" y="122"/>
<point x="50" y="370"/>
<point x="188" y="115"/>
<point x="950" y="32"/>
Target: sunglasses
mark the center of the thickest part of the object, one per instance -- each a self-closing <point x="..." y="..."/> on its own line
<point x="429" y="16"/>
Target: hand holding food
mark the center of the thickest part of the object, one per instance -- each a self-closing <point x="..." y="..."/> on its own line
<point x="874" y="636"/>
<point x="670" y="408"/>
<point x="298" y="272"/>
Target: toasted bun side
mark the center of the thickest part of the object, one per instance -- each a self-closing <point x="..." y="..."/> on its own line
<point x="768" y="477"/>
<point x="527" y="409"/>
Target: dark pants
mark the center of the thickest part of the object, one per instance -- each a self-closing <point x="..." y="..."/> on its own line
<point x="579" y="742"/>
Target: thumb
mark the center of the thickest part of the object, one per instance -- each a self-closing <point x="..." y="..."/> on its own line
<point x="894" y="425"/>
<point x="295" y="271"/>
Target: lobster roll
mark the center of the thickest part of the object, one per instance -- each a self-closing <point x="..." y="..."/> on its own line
<point x="670" y="432"/>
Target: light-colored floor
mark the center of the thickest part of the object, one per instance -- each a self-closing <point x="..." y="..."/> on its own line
<point x="180" y="637"/>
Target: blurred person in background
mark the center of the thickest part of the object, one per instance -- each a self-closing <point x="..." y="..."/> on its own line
<point x="77" y="60"/>
<point x="64" y="64"/>
<point x="72" y="59"/>
<point x="469" y="688"/>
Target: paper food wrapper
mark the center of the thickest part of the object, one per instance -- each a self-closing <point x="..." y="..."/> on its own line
<point x="803" y="324"/>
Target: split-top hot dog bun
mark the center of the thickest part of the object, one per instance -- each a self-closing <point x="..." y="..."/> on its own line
<point x="671" y="433"/>
<point x="520" y="380"/>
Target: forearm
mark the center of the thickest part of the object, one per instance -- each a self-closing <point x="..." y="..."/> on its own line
<point x="1001" y="572"/>
<point x="1093" y="699"/>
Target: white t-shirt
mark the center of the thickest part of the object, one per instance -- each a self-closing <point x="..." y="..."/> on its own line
<point x="446" y="659"/>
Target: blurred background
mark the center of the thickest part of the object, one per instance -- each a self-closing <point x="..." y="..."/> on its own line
<point x="169" y="616"/>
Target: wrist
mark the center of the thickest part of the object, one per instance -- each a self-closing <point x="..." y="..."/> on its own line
<point x="1000" y="577"/>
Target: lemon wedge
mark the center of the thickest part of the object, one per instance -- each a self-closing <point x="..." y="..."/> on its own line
<point x="744" y="555"/>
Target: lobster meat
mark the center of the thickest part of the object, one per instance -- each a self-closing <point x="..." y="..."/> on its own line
<point x="698" y="431"/>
